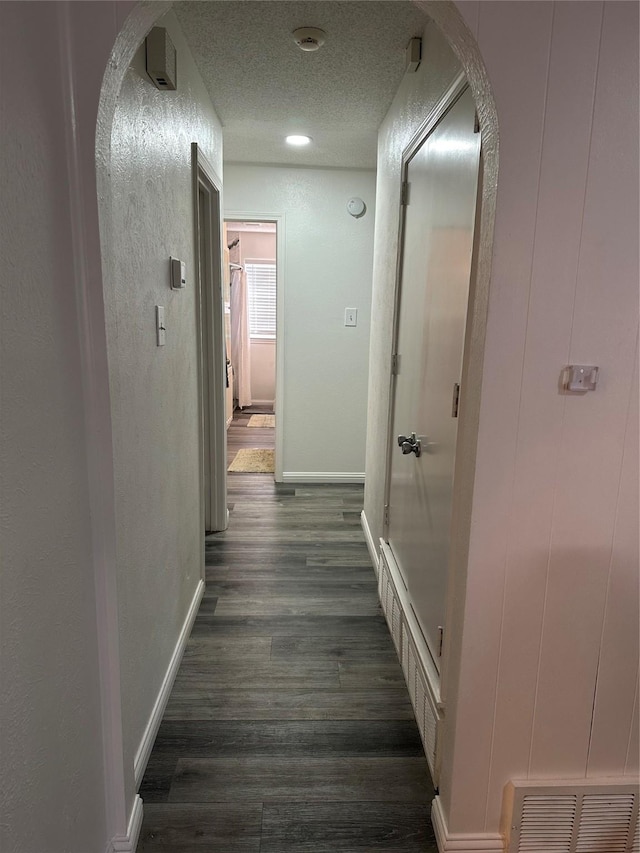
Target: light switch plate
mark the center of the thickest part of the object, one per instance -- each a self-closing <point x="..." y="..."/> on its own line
<point x="351" y="316"/>
<point x="160" y="327"/>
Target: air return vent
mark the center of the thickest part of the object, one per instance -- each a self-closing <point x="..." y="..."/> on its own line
<point x="599" y="816"/>
<point x="161" y="59"/>
<point x="405" y="633"/>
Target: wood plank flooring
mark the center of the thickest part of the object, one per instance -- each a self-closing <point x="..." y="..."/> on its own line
<point x="289" y="728"/>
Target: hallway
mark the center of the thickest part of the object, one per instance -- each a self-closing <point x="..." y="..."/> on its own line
<point x="289" y="727"/>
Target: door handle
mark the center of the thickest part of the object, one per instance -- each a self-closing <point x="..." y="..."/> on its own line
<point x="409" y="444"/>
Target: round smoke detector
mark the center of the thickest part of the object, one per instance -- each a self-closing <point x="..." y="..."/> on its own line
<point x="309" y="38"/>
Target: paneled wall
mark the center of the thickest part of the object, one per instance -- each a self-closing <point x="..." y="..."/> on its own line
<point x="550" y="605"/>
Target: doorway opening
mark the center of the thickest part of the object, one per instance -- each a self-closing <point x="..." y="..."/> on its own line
<point x="251" y="297"/>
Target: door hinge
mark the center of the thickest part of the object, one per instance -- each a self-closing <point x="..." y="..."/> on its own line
<point x="476" y="124"/>
<point x="395" y="364"/>
<point x="456" y="400"/>
<point x="441" y="633"/>
<point x="404" y="194"/>
<point x="386" y="514"/>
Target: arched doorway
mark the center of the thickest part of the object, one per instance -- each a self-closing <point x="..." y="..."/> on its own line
<point x="450" y="22"/>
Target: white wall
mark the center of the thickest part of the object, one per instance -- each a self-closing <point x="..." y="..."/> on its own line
<point x="154" y="390"/>
<point x="550" y="608"/>
<point x="52" y="794"/>
<point x="326" y="268"/>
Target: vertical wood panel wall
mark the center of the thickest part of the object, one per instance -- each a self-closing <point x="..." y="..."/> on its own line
<point x="551" y="620"/>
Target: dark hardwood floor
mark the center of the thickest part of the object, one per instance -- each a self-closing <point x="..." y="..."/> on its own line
<point x="289" y="728"/>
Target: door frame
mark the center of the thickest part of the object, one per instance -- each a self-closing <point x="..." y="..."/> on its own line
<point x="279" y="220"/>
<point x="440" y="110"/>
<point x="212" y="432"/>
<point x="470" y="391"/>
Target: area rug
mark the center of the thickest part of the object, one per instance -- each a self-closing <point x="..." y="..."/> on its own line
<point x="253" y="460"/>
<point x="262" y="421"/>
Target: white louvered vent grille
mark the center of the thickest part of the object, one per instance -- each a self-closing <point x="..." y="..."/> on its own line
<point x="429" y="716"/>
<point x="424" y="707"/>
<point x="636" y="840"/>
<point x="390" y="606"/>
<point x="597" y="816"/>
<point x="405" y="654"/>
<point x="604" y="823"/>
<point x="547" y="824"/>
<point x="396" y="624"/>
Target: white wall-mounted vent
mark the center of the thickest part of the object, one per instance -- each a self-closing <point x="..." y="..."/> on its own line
<point x="390" y="605"/>
<point x="564" y="816"/>
<point x="406" y="638"/>
<point x="161" y="59"/>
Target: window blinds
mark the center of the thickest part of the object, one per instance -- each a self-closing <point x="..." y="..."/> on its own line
<point x="261" y="289"/>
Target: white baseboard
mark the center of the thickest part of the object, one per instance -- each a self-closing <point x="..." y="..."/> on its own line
<point x="322" y="477"/>
<point x="151" y="730"/>
<point x="264" y="403"/>
<point x="128" y="843"/>
<point x="375" y="557"/>
<point x="482" y="842"/>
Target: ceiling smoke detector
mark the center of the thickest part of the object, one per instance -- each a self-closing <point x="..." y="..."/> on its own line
<point x="309" y="38"/>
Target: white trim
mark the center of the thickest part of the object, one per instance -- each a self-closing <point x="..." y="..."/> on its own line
<point x="375" y="557"/>
<point x="151" y="730"/>
<point x="128" y="843"/>
<point x="321" y="476"/>
<point x="210" y="337"/>
<point x="486" y="842"/>
<point x="279" y="219"/>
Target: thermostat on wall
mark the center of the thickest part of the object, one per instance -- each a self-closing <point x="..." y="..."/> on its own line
<point x="178" y="274"/>
<point x="356" y="207"/>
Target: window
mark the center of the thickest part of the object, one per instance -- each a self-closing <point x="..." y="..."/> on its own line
<point x="261" y="292"/>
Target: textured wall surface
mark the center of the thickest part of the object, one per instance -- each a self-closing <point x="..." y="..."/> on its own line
<point x="546" y="680"/>
<point x="327" y="268"/>
<point x="52" y="787"/>
<point x="154" y="389"/>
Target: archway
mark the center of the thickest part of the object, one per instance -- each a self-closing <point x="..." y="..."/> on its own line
<point x="452" y="25"/>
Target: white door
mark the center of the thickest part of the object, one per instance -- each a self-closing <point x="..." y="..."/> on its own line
<point x="442" y="178"/>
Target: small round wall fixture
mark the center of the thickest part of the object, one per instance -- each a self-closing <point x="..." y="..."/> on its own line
<point x="356" y="207"/>
<point x="298" y="140"/>
<point x="309" y="38"/>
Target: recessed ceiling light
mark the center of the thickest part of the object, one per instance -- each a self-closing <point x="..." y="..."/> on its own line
<point x="297" y="140"/>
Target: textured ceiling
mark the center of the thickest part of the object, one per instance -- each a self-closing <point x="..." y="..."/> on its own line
<point x="264" y="87"/>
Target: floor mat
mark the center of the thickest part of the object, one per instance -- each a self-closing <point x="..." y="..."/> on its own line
<point x="262" y="421"/>
<point x="253" y="460"/>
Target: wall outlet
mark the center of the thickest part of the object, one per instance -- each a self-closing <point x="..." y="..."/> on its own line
<point x="351" y="316"/>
